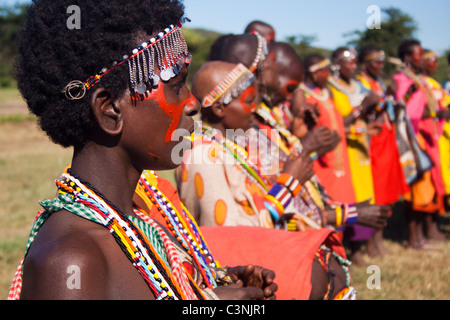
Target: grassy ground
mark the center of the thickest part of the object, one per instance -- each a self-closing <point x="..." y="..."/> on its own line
<point x="29" y="163"/>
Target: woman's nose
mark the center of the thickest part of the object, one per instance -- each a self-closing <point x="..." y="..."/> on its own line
<point x="192" y="106"/>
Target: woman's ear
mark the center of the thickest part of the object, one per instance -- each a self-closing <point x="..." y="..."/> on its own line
<point x="218" y="109"/>
<point x="107" y="112"/>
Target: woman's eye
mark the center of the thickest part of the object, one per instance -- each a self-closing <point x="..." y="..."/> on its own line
<point x="178" y="86"/>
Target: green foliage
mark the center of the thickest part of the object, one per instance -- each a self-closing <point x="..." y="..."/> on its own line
<point x="11" y="18"/>
<point x="395" y="28"/>
<point x="199" y="41"/>
<point x="303" y="45"/>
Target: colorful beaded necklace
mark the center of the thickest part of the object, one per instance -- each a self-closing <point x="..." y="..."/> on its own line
<point x="136" y="246"/>
<point x="182" y="226"/>
<point x="293" y="144"/>
<point x="239" y="154"/>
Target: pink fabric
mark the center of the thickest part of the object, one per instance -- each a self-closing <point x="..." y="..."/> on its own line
<point x="289" y="254"/>
<point x="415" y="107"/>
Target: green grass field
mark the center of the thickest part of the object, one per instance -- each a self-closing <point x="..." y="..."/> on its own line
<point x="30" y="162"/>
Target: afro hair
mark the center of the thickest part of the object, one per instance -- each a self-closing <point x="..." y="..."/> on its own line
<point x="51" y="55"/>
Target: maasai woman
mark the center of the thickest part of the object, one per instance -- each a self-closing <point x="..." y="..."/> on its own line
<point x="388" y="177"/>
<point x="312" y="106"/>
<point x="426" y="119"/>
<point x="353" y="102"/>
<point x="442" y="98"/>
<point x="219" y="183"/>
<point x="275" y="79"/>
<point x="115" y="91"/>
<point x="332" y="168"/>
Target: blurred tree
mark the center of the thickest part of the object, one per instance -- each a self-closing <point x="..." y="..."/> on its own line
<point x="11" y="18"/>
<point x="302" y="44"/>
<point x="199" y="42"/>
<point x="395" y="27"/>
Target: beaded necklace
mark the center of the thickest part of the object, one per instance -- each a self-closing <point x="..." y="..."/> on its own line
<point x="347" y="88"/>
<point x="136" y="246"/>
<point x="182" y="226"/>
<point x="239" y="154"/>
<point x="324" y="98"/>
<point x="293" y="143"/>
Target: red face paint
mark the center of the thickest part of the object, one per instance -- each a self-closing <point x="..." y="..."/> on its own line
<point x="249" y="92"/>
<point x="173" y="110"/>
<point x="289" y="88"/>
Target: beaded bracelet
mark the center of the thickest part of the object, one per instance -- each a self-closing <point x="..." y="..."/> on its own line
<point x="346" y="214"/>
<point x="277" y="199"/>
<point x="356" y="130"/>
<point x="339" y="217"/>
<point x="352" y="217"/>
<point x="292" y="184"/>
<point x="276" y="214"/>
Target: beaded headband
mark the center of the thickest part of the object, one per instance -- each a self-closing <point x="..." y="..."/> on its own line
<point x="320" y="65"/>
<point x="345" y="55"/>
<point x="429" y="55"/>
<point x="230" y="87"/>
<point x="261" y="52"/>
<point x="377" y="55"/>
<point x="161" y="58"/>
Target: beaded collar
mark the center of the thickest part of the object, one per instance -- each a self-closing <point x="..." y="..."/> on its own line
<point x="164" y="283"/>
<point x="182" y="226"/>
<point x="324" y="95"/>
<point x="250" y="169"/>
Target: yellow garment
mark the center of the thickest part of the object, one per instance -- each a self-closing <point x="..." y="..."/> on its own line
<point x="444" y="147"/>
<point x="444" y="142"/>
<point x="358" y="152"/>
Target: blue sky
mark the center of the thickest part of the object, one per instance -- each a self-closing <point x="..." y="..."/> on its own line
<point x="328" y="20"/>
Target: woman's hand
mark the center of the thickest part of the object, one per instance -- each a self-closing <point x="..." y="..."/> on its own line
<point x="253" y="277"/>
<point x="300" y="167"/>
<point x="372" y="215"/>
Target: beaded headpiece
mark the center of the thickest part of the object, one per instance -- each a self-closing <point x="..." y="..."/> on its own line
<point x="377" y="55"/>
<point x="429" y="55"/>
<point x="230" y="87"/>
<point x="160" y="58"/>
<point x="345" y="55"/>
<point x="320" y="65"/>
<point x="261" y="52"/>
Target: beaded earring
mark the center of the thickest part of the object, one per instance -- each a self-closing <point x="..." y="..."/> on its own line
<point x="160" y="58"/>
<point x="261" y="52"/>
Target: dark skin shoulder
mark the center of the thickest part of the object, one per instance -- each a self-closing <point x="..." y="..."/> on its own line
<point x="73" y="258"/>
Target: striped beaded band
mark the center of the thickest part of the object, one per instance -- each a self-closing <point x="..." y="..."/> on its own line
<point x="161" y="58"/>
<point x="275" y="208"/>
<point x="352" y="217"/>
<point x="429" y="55"/>
<point x="320" y="65"/>
<point x="230" y="87"/>
<point x="292" y="184"/>
<point x="377" y="55"/>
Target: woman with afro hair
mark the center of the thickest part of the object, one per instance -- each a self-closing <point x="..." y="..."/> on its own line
<point x="115" y="91"/>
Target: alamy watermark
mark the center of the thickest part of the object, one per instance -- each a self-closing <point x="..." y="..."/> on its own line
<point x="374" y="20"/>
<point x="74" y="20"/>
<point x="374" y="280"/>
<point x="74" y="279"/>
